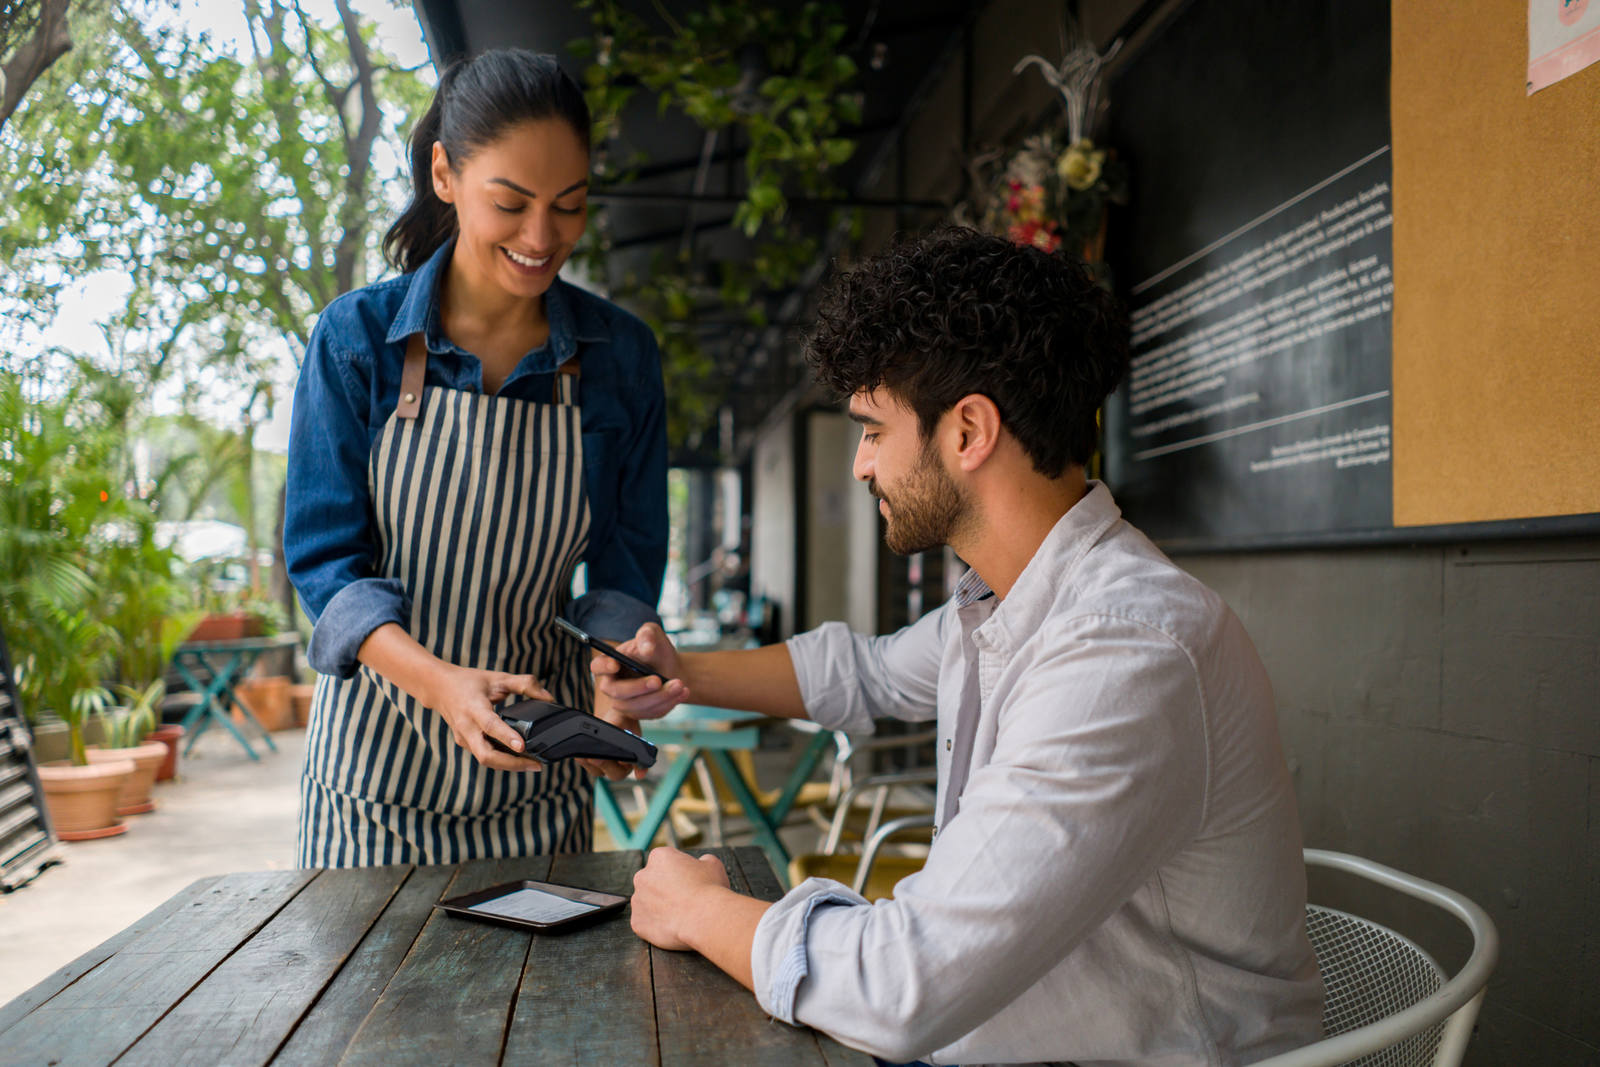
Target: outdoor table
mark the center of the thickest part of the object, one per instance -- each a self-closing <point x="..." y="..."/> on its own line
<point x="699" y="731"/>
<point x="357" y="967"/>
<point x="211" y="669"/>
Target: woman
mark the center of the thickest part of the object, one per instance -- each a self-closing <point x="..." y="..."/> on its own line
<point x="463" y="436"/>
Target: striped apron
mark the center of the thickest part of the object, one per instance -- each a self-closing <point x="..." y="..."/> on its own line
<point x="480" y="512"/>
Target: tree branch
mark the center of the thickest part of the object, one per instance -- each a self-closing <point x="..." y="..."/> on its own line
<point x="358" y="152"/>
<point x="48" y="42"/>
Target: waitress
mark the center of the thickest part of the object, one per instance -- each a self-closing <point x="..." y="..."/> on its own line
<point x="463" y="436"/>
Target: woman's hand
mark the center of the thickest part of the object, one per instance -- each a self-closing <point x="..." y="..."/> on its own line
<point x="466" y="697"/>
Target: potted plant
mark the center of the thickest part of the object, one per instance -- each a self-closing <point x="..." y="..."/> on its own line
<point x="81" y="796"/>
<point x="127" y="737"/>
<point x="267" y="696"/>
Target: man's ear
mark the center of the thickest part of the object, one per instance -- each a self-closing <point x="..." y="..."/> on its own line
<point x="973" y="425"/>
<point x="443" y="176"/>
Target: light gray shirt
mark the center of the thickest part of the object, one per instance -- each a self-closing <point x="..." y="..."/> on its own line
<point x="1116" y="874"/>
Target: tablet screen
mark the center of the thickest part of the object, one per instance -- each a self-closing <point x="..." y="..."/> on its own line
<point x="533" y="905"/>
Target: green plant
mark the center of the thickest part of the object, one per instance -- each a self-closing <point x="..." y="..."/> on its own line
<point x="128" y="725"/>
<point x="56" y="495"/>
<point x="776" y="81"/>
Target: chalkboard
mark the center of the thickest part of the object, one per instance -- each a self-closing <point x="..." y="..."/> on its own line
<point x="1256" y="262"/>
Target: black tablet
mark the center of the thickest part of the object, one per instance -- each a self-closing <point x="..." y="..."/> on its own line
<point x="530" y="905"/>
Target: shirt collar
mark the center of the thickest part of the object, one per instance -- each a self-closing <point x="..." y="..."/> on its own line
<point x="571" y="320"/>
<point x="1039" y="586"/>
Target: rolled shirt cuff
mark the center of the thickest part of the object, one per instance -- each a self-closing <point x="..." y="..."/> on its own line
<point x="778" y="958"/>
<point x="350" y="617"/>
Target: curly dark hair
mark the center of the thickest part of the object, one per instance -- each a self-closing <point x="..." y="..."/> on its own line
<point x="956" y="312"/>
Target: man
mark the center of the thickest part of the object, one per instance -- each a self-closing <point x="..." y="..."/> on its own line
<point x="1116" y="874"/>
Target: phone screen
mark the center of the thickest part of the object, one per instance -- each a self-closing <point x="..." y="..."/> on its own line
<point x="534" y="905"/>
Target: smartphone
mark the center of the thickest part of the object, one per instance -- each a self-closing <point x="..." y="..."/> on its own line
<point x="632" y="667"/>
<point x="529" y="905"/>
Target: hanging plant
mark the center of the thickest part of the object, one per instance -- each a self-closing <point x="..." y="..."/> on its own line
<point x="778" y="82"/>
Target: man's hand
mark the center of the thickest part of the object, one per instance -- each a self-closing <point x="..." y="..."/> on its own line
<point x="668" y="891"/>
<point x="646" y="697"/>
<point x="466" y="698"/>
<point x="624" y="701"/>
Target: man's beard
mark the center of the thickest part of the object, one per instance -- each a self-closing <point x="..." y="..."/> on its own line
<point x="927" y="507"/>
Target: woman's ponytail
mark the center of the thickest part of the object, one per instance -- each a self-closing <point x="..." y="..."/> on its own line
<point x="427" y="222"/>
<point x="477" y="100"/>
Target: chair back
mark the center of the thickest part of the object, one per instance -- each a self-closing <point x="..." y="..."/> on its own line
<point x="1369" y="973"/>
<point x="1388" y="1004"/>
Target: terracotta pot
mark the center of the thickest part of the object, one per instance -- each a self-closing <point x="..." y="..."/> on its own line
<point x="134" y="797"/>
<point x="268" y="700"/>
<point x="83" y="800"/>
<point x="168" y="734"/>
<point x="300" y="698"/>
<point x="230" y="627"/>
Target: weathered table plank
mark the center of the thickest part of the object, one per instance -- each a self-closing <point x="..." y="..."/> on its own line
<point x="250" y="1004"/>
<point x="703" y="1016"/>
<point x="451" y="998"/>
<point x="96" y="1018"/>
<point x="586" y="996"/>
<point x="55" y="983"/>
<point x="323" y="1034"/>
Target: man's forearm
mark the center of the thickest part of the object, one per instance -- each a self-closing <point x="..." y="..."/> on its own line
<point x="721" y="926"/>
<point x="760" y="679"/>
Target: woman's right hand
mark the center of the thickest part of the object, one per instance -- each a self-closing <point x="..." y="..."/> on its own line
<point x="466" y="698"/>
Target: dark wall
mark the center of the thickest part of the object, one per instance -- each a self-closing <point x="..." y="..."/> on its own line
<point x="1441" y="712"/>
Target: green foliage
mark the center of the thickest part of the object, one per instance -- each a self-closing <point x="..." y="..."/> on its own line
<point x="234" y="192"/>
<point x="774" y="78"/>
<point x="128" y="725"/>
<point x="55" y="496"/>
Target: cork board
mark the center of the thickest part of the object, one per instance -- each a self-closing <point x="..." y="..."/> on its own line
<point x="1496" y="365"/>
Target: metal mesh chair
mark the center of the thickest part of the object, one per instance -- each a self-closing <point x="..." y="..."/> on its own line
<point x="1388" y="1004"/>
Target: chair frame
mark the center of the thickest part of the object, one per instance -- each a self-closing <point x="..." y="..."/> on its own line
<point x="1457" y="1000"/>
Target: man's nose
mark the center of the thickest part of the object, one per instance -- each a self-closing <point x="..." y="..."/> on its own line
<point x="862" y="467"/>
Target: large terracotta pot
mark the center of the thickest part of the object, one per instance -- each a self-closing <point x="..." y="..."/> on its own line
<point x="83" y="800"/>
<point x="300" y="697"/>
<point x="229" y="627"/>
<point x="168" y="734"/>
<point x="268" y="700"/>
<point x="134" y="797"/>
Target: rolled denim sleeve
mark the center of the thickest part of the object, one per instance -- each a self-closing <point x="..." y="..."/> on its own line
<point x="328" y="540"/>
<point x="848" y="679"/>
<point x="633" y="559"/>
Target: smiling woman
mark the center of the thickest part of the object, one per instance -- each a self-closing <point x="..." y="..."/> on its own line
<point x="446" y="476"/>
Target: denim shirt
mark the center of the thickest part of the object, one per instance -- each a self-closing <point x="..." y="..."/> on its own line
<point x="348" y="388"/>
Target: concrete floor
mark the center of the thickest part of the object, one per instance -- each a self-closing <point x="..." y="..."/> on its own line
<point x="224" y="814"/>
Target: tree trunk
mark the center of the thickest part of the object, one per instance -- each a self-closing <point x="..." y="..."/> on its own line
<point x="49" y="41"/>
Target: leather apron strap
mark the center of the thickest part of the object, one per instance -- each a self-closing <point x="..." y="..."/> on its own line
<point x="412" y="377"/>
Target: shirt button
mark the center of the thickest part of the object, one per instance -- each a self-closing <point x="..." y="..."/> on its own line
<point x="947" y="743"/>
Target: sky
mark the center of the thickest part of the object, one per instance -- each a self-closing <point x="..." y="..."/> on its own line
<point x="93" y="300"/>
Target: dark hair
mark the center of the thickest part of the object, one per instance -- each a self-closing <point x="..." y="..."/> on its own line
<point x="957" y="312"/>
<point x="476" y="101"/>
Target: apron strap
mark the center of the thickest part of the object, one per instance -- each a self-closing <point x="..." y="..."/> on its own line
<point x="569" y="367"/>
<point x="411" y="378"/>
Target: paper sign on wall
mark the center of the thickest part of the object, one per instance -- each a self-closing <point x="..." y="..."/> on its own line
<point x="1563" y="38"/>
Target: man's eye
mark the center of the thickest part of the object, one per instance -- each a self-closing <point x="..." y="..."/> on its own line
<point x="871" y="438"/>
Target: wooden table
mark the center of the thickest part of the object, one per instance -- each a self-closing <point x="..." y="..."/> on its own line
<point x="356" y="967"/>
